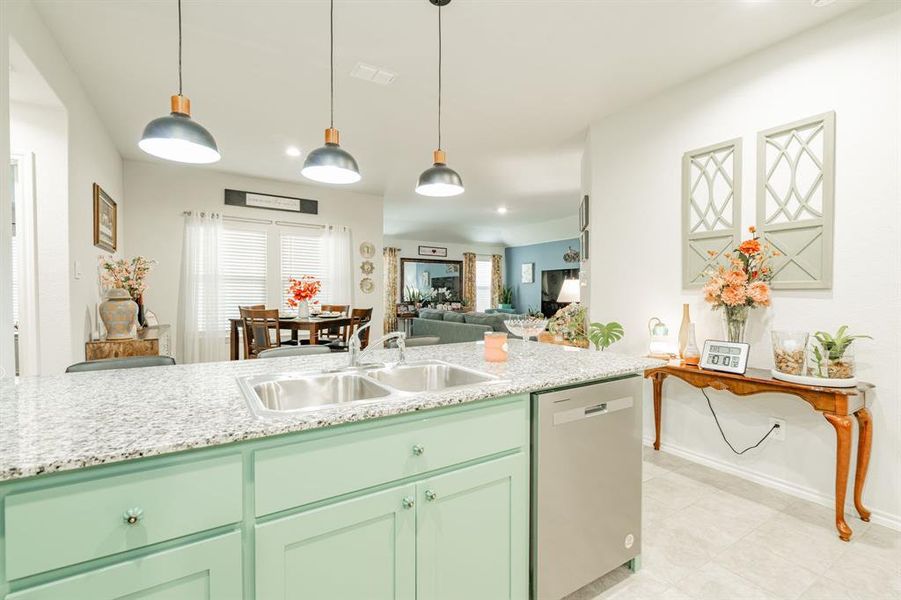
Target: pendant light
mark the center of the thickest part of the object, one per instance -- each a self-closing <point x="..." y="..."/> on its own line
<point x="331" y="163"/>
<point x="177" y="137"/>
<point x="439" y="180"/>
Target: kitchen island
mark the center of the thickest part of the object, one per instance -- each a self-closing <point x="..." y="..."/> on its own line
<point x="161" y="481"/>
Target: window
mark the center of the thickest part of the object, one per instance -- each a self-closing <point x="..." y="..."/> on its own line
<point x="483" y="284"/>
<point x="301" y="255"/>
<point x="242" y="270"/>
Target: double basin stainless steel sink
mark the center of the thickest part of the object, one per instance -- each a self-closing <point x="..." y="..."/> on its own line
<point x="286" y="393"/>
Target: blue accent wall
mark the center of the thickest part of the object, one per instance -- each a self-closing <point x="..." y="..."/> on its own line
<point x="546" y="256"/>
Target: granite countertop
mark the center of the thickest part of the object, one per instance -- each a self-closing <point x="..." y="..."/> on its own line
<point x="65" y="422"/>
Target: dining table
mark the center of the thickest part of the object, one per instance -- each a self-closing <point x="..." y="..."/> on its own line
<point x="293" y="324"/>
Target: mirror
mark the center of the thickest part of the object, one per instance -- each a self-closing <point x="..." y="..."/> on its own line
<point x="427" y="276"/>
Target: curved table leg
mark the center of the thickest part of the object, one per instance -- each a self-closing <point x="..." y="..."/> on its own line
<point x="842" y="425"/>
<point x="658" y="401"/>
<point x="864" y="442"/>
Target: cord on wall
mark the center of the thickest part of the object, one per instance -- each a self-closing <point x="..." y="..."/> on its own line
<point x="722" y="433"/>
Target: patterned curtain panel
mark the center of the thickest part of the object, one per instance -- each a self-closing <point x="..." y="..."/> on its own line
<point x="469" y="279"/>
<point x="391" y="289"/>
<point x="496" y="281"/>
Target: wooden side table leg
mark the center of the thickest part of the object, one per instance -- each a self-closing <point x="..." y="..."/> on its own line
<point x="658" y="402"/>
<point x="864" y="443"/>
<point x="842" y="425"/>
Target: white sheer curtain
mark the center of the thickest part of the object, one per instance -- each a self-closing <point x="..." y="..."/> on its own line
<point x="336" y="255"/>
<point x="201" y="329"/>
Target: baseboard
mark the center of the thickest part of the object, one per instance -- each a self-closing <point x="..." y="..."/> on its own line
<point x="792" y="489"/>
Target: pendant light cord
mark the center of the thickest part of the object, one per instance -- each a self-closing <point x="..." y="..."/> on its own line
<point x="331" y="34"/>
<point x="439" y="77"/>
<point x="179" y="47"/>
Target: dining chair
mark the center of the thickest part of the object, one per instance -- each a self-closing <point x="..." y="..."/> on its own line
<point x="259" y="323"/>
<point x="331" y="334"/>
<point x="294" y="351"/>
<point x="132" y="362"/>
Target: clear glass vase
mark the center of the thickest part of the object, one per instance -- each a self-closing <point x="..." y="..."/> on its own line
<point x="735" y="319"/>
<point x="822" y="363"/>
<point x="789" y="349"/>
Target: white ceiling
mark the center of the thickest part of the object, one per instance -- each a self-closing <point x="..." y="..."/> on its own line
<point x="522" y="80"/>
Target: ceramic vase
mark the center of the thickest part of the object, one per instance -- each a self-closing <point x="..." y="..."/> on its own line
<point x="684" y="330"/>
<point x="303" y="309"/>
<point x="142" y="320"/>
<point x="119" y="314"/>
<point x="735" y="320"/>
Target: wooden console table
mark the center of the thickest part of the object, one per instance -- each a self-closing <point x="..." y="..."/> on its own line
<point x="149" y="341"/>
<point x="836" y="404"/>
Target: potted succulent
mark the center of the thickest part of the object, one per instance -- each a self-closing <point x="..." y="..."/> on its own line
<point x="505" y="299"/>
<point x="603" y="335"/>
<point x="831" y="355"/>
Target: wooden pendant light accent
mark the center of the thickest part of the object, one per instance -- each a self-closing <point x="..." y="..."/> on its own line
<point x="181" y="105"/>
<point x="440" y="157"/>
<point x="331" y="136"/>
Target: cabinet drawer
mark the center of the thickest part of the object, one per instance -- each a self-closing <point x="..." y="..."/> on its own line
<point x="298" y="474"/>
<point x="58" y="526"/>
<point x="208" y="569"/>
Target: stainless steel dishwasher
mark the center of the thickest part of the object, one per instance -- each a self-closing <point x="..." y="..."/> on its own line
<point x="586" y="484"/>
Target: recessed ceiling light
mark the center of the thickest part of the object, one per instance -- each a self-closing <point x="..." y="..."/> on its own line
<point x="819" y="3"/>
<point x="292" y="151"/>
<point x="502" y="210"/>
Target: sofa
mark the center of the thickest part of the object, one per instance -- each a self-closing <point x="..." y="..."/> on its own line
<point x="452" y="327"/>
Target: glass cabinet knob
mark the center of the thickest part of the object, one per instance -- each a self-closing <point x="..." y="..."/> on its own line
<point x="132" y="516"/>
<point x="418" y="450"/>
<point x="431" y="496"/>
<point x="409" y="502"/>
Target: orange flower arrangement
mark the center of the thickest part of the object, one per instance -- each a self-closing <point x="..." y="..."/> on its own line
<point x="744" y="281"/>
<point x="302" y="290"/>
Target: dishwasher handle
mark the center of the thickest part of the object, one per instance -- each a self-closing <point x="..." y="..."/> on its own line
<point x="568" y="415"/>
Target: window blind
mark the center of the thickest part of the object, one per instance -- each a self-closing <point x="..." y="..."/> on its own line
<point x="242" y="270"/>
<point x="302" y="255"/>
<point x="483" y="285"/>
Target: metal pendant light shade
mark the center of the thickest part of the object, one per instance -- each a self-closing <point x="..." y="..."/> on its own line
<point x="439" y="181"/>
<point x="331" y="163"/>
<point x="178" y="137"/>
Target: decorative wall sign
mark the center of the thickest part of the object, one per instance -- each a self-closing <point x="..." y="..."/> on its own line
<point x="367" y="250"/>
<point x="711" y="208"/>
<point x="271" y="202"/>
<point x="105" y="220"/>
<point x="583" y="213"/>
<point x="571" y="255"/>
<point x="432" y="251"/>
<point x="795" y="200"/>
<point x="528" y="273"/>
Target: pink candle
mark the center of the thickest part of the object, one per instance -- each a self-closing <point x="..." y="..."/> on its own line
<point x="495" y="346"/>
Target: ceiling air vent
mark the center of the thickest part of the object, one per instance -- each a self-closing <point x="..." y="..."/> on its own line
<point x="372" y="73"/>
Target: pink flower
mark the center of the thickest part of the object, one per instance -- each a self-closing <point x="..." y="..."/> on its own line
<point x="759" y="293"/>
<point x="734" y="295"/>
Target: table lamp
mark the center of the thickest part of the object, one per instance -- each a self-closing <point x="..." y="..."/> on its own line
<point x="569" y="292"/>
<point x="660" y="346"/>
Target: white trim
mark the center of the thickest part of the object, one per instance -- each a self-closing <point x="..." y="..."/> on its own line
<point x="792" y="489"/>
<point x="26" y="239"/>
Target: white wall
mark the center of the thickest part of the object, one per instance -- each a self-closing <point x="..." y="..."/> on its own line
<point x="158" y="194"/>
<point x="851" y="66"/>
<point x="41" y="130"/>
<point x="92" y="158"/>
<point x="410" y="249"/>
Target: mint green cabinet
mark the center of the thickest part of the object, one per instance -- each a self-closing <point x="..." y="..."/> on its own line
<point x="360" y="548"/>
<point x="472" y="532"/>
<point x="208" y="570"/>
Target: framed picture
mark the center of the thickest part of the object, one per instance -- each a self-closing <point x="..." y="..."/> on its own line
<point x="583" y="239"/>
<point x="432" y="251"/>
<point x="583" y="213"/>
<point x="105" y="221"/>
<point x="528" y="273"/>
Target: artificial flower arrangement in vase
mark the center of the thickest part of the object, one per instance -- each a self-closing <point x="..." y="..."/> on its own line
<point x="129" y="275"/>
<point x="301" y="292"/>
<point x="568" y="325"/>
<point x="741" y="286"/>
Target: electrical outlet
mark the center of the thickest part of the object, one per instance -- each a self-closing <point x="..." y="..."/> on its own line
<point x="779" y="434"/>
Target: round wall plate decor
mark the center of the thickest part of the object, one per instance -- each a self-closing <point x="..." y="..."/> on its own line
<point x="366" y="267"/>
<point x="367" y="285"/>
<point x="367" y="250"/>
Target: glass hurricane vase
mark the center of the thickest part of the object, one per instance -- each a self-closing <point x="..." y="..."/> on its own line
<point x="735" y="320"/>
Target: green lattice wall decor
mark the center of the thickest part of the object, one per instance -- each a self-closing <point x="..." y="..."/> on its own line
<point x="795" y="200"/>
<point x="711" y="208"/>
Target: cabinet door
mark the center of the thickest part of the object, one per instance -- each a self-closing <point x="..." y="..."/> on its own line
<point x="208" y="570"/>
<point x="472" y="536"/>
<point x="360" y="548"/>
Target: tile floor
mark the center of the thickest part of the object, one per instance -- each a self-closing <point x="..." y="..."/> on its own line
<point x="713" y="536"/>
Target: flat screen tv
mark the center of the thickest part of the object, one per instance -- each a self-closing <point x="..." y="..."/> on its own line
<point x="551" y="282"/>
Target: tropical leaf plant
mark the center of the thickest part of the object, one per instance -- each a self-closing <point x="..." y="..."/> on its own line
<point x="506" y="295"/>
<point x="835" y="345"/>
<point x="603" y="335"/>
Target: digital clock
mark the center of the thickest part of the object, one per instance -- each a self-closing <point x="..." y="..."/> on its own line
<point x="731" y="357"/>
